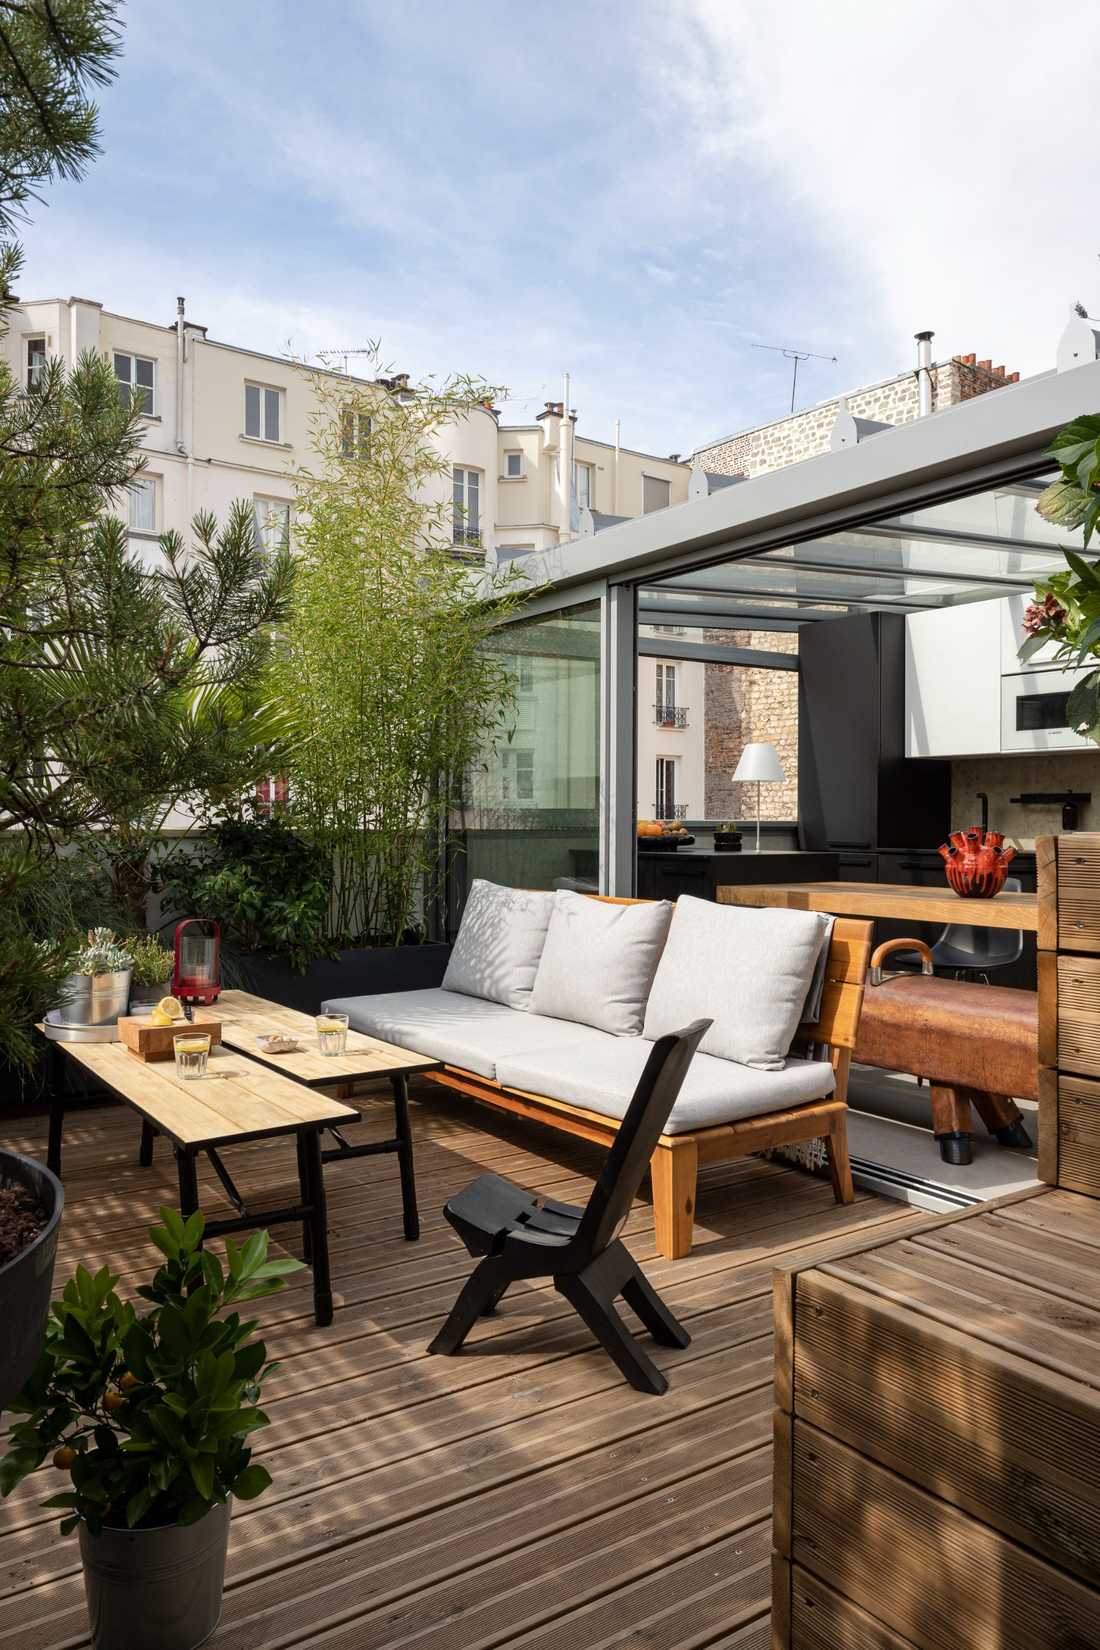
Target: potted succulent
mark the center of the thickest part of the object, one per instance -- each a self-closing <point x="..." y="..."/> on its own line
<point x="151" y="971"/>
<point x="148" y="1416"/>
<point x="727" y="838"/>
<point x="98" y="988"/>
<point x="31" y="1201"/>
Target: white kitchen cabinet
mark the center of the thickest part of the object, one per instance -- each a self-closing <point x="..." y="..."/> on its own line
<point x="953" y="680"/>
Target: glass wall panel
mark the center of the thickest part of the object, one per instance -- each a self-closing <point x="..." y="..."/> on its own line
<point x="532" y="813"/>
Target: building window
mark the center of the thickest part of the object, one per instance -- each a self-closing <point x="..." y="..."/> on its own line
<point x="272" y="792"/>
<point x="666" y="692"/>
<point x="355" y="428"/>
<point x="584" y="485"/>
<point x="263" y="412"/>
<point x="518" y="776"/>
<point x="143" y="504"/>
<point x="36" y="362"/>
<point x="526" y="673"/>
<point x="513" y="466"/>
<point x="272" y="516"/>
<point x="664" y="806"/>
<point x="656" y="494"/>
<point x="137" y="382"/>
<point x="467" y="506"/>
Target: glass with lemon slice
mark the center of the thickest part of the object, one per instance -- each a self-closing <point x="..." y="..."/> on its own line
<point x="192" y="1050"/>
<point x="332" y="1033"/>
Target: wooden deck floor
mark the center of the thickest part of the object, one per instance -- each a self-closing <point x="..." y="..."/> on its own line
<point x="519" y="1495"/>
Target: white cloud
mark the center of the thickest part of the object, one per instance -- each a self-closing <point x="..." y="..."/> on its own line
<point x="947" y="151"/>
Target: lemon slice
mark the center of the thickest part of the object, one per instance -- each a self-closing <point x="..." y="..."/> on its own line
<point x="172" y="1007"/>
<point x="156" y="1018"/>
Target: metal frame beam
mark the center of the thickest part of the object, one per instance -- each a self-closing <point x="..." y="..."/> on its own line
<point x="618" y="692"/>
<point x="715" y="653"/>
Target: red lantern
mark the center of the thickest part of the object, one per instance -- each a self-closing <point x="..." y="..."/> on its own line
<point x="976" y="866"/>
<point x="196" y="977"/>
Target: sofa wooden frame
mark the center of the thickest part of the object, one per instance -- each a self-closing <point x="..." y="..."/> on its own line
<point x="674" y="1166"/>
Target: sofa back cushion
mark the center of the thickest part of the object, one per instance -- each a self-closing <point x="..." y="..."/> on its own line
<point x="599" y="961"/>
<point x="499" y="943"/>
<point x="747" y="970"/>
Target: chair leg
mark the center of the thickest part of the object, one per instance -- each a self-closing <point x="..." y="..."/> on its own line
<point x="674" y="1171"/>
<point x="840" y="1167"/>
<point x="640" y="1295"/>
<point x="495" y="1299"/>
<point x="613" y="1335"/>
<point x="485" y="1285"/>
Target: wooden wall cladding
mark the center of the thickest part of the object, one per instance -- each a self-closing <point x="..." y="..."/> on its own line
<point x="937" y="1434"/>
<point x="1069" y="1010"/>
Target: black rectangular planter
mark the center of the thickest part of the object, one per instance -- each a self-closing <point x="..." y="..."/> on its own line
<point x="358" y="973"/>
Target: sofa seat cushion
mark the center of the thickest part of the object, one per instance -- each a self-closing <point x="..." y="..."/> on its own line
<point x="602" y="1077"/>
<point x="464" y="1031"/>
<point x="599" y="960"/>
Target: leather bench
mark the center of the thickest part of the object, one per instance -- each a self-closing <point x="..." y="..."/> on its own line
<point x="976" y="1045"/>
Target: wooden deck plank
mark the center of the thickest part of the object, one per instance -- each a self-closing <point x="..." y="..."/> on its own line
<point x="432" y="1502"/>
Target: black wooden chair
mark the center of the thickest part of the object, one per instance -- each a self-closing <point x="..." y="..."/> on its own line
<point x="520" y="1235"/>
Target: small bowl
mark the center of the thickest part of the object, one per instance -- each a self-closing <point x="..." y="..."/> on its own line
<point x="274" y="1042"/>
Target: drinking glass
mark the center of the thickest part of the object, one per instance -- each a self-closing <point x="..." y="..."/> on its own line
<point x="332" y="1033"/>
<point x="192" y="1052"/>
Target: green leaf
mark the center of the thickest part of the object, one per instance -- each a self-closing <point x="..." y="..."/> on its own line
<point x="1085" y="571"/>
<point x="202" y="1475"/>
<point x="138" y="1505"/>
<point x="1063" y="504"/>
<point x="250" y="1483"/>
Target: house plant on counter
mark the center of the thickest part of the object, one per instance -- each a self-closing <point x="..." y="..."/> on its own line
<point x="148" y="1415"/>
<point x="727" y="838"/>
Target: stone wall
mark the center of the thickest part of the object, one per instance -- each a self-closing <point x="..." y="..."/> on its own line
<point x="745" y="706"/>
<point x="805" y="434"/>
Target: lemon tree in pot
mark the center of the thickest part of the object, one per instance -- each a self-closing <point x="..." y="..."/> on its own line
<point x="149" y="1415"/>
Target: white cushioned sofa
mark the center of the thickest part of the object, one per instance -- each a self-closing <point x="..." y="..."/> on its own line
<point x="551" y="1002"/>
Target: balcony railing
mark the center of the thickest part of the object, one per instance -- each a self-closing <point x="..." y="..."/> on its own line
<point x="468" y="537"/>
<point x="662" y="810"/>
<point x="670" y="716"/>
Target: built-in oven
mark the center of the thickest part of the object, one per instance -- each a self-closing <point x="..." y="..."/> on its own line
<point x="1033" y="711"/>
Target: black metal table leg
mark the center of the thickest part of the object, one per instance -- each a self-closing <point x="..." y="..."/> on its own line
<point x="303" y="1192"/>
<point x="409" y="1211"/>
<point x="148" y="1135"/>
<point x="316" y="1224"/>
<point x="189" y="1180"/>
<point x="57" y="1076"/>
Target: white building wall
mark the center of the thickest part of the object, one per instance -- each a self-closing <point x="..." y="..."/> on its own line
<point x="684" y="745"/>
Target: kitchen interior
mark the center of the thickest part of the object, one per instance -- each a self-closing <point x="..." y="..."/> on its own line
<point x="916" y="718"/>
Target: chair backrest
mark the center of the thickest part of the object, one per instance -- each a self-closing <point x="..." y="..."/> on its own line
<point x="637" y="1136"/>
<point x="989" y="947"/>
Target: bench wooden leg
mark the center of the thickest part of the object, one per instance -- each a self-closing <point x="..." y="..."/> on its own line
<point x="951" y="1122"/>
<point x="840" y="1168"/>
<point x="674" y="1171"/>
<point x="1002" y="1117"/>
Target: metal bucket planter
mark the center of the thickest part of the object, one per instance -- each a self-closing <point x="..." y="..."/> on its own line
<point x="148" y="996"/>
<point x="26" y="1280"/>
<point x="158" y="1589"/>
<point x="94" y="999"/>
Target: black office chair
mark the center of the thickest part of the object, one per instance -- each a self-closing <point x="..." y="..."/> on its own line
<point x="522" y="1236"/>
<point x="970" y="953"/>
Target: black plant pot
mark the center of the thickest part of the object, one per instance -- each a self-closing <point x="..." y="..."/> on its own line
<point x="363" y="972"/>
<point x="26" y="1281"/>
<point x="726" y="843"/>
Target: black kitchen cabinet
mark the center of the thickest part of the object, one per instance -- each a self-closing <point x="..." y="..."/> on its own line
<point x="669" y="873"/>
<point x="857" y="791"/>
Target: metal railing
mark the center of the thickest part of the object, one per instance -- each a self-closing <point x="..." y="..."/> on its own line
<point x="469" y="536"/>
<point x="670" y="716"/>
<point x="661" y="810"/>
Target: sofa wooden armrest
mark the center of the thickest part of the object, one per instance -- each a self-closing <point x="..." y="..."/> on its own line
<point x="675" y="1164"/>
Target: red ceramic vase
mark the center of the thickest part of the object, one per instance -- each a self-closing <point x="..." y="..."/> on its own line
<point x="976" y="866"/>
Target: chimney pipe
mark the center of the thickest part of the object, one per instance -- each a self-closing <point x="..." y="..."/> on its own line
<point x="180" y="355"/>
<point x="924" y="373"/>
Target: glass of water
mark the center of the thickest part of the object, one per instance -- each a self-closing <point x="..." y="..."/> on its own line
<point x="332" y="1033"/>
<point x="192" y="1053"/>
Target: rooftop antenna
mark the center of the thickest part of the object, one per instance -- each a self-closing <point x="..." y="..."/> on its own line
<point x="795" y="355"/>
<point x="346" y="353"/>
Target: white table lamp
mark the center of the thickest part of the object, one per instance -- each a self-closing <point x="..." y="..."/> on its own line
<point x="759" y="763"/>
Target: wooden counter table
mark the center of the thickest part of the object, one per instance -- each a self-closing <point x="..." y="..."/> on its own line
<point x="897" y="900"/>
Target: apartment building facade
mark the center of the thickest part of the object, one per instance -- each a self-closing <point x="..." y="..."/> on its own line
<point x="223" y="422"/>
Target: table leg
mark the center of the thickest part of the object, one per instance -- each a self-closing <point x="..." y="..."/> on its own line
<point x="189" y="1181"/>
<point x="304" y="1194"/>
<point x="57" y="1107"/>
<point x="148" y="1135"/>
<point x="405" y="1156"/>
<point x="316" y="1224"/>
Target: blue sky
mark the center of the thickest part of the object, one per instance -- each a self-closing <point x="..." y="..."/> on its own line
<point x="634" y="193"/>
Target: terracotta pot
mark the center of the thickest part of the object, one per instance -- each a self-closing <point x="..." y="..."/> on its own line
<point x="976" y="865"/>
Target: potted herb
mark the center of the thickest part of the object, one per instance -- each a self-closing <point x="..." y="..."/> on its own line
<point x="151" y="972"/>
<point x="148" y="1415"/>
<point x="727" y="838"/>
<point x="98" y="988"/>
<point x="31" y="1201"/>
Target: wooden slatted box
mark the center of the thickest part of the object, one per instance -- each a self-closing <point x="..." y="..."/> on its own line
<point x="1069" y="1011"/>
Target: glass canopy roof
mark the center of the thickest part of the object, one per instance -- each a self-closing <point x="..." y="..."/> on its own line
<point x="969" y="549"/>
